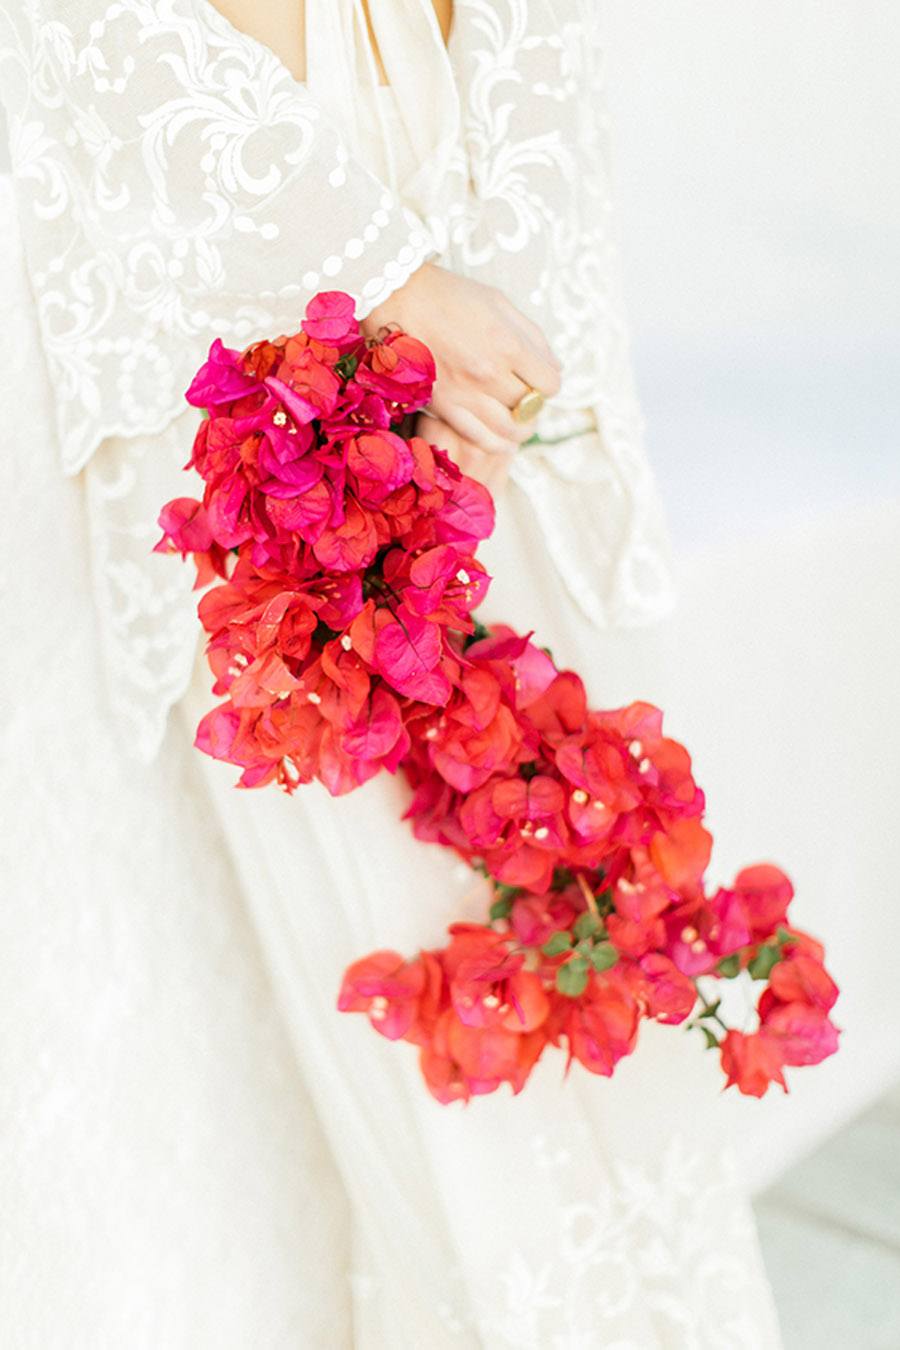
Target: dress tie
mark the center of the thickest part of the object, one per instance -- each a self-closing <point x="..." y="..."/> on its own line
<point x="341" y="60"/>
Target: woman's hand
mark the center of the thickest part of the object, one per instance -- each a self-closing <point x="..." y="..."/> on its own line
<point x="487" y="354"/>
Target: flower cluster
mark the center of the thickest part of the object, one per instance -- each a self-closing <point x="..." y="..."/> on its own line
<point x="344" y="548"/>
<point x="342" y="641"/>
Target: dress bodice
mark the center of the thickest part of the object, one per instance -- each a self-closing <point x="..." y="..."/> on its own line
<point x="175" y="184"/>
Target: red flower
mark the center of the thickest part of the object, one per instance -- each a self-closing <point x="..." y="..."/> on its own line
<point x="488" y="985"/>
<point x="380" y="462"/>
<point x="343" y="641"/>
<point x="751" y="1063"/>
<point x="800" y="978"/>
<point x="764" y="893"/>
<point x="400" y="370"/>
<point x="519" y="825"/>
<point x="681" y="853"/>
<point x="462" y="1061"/>
<point x="475" y="736"/>
<point x="636" y="926"/>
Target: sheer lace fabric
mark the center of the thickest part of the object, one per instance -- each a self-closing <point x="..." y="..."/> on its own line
<point x="226" y="1199"/>
<point x="164" y="1181"/>
<point x="177" y="184"/>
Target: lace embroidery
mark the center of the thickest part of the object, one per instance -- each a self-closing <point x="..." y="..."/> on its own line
<point x="164" y="163"/>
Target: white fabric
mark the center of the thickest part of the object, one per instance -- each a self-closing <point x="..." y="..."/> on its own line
<point x="164" y="1184"/>
<point x="178" y="184"/>
<point x="152" y="1111"/>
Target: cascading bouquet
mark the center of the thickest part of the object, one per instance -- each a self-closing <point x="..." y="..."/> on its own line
<point x="342" y="641"/>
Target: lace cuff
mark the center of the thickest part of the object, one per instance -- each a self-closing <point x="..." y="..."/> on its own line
<point x="163" y="164"/>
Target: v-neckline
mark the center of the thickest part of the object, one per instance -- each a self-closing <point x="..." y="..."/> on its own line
<point x="211" y="17"/>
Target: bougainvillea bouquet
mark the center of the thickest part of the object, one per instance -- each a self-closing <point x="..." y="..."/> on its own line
<point x="343" y="551"/>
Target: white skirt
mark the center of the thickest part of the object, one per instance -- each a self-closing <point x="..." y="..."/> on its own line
<point x="585" y="1212"/>
<point x="197" y="1151"/>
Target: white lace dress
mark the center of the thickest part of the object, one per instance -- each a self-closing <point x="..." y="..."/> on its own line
<point x="199" y="1151"/>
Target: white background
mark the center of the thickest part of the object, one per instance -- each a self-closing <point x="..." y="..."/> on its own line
<point x="757" y="148"/>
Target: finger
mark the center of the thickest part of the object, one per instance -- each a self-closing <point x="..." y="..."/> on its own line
<point x="491" y="470"/>
<point x="436" y="432"/>
<point x="471" y="428"/>
<point x="498" y="416"/>
<point x="531" y="331"/>
<point x="536" y="370"/>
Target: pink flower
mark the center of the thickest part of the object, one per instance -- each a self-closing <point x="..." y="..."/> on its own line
<point x="602" y="1026"/>
<point x="666" y="993"/>
<point x="408" y="651"/>
<point x="801" y="1033"/>
<point x="220" y="379"/>
<point x="399" y="996"/>
<point x="467" y="514"/>
<point x="440" y="583"/>
<point x="331" y="318"/>
<point x="523" y="670"/>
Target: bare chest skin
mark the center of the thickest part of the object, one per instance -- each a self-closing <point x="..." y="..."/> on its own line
<point x="281" y="25"/>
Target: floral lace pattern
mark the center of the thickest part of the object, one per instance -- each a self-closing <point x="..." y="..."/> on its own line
<point x="177" y="183"/>
<point x="665" y="1256"/>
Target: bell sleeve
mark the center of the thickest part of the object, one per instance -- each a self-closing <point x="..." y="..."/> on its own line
<point x="164" y="164"/>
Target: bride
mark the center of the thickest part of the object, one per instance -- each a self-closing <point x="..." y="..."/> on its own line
<point x="198" y="1150"/>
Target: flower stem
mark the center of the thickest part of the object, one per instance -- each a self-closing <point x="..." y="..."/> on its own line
<point x="707" y="1007"/>
<point x="590" y="898"/>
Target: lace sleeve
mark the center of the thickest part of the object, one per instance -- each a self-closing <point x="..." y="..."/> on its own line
<point x="163" y="165"/>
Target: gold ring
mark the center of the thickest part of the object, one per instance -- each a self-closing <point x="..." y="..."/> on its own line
<point x="528" y="406"/>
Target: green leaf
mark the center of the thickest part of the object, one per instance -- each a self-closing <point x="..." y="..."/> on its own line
<point x="346" y="366"/>
<point x="479" y="632"/>
<point x="761" y="965"/>
<point x="711" y="1041"/>
<point x="604" y="956"/>
<point x="605" y="902"/>
<point x="572" y="977"/>
<point x="586" y="924"/>
<point x="558" y="942"/>
<point x="711" y="1010"/>
<point x="501" y="907"/>
<point x="784" y="936"/>
<point x="729" y="966"/>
